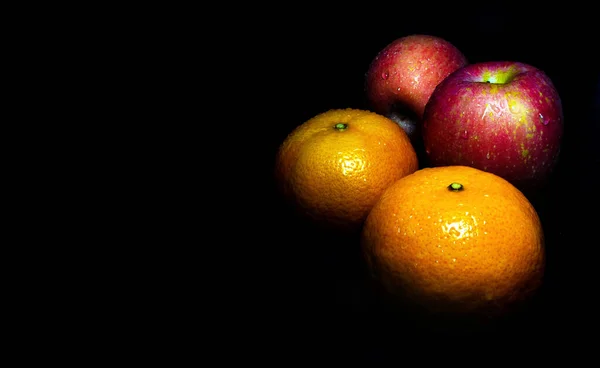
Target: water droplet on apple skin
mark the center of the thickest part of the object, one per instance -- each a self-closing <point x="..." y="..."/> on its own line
<point x="544" y="121"/>
<point x="385" y="75"/>
<point x="465" y="134"/>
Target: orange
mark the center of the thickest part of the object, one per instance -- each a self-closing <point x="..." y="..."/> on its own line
<point x="334" y="166"/>
<point x="455" y="241"/>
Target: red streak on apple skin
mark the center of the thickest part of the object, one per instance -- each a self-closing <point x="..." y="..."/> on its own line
<point x="513" y="129"/>
<point x="407" y="71"/>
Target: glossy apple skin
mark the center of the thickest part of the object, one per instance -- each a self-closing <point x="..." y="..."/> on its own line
<point x="513" y="129"/>
<point x="403" y="75"/>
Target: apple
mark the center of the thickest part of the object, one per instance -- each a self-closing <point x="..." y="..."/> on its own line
<point x="504" y="117"/>
<point x="402" y="77"/>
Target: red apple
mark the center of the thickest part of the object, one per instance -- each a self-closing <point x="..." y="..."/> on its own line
<point x="402" y="76"/>
<point x="503" y="117"/>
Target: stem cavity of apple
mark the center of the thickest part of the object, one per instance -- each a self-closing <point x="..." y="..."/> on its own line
<point x="455" y="187"/>
<point x="499" y="77"/>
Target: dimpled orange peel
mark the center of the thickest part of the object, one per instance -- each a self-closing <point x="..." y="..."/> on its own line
<point x="333" y="167"/>
<point x="455" y="241"/>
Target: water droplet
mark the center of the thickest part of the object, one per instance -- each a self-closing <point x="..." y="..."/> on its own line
<point x="487" y="156"/>
<point x="428" y="151"/>
<point x="397" y="89"/>
<point x="544" y="121"/>
<point x="385" y="75"/>
<point x="465" y="134"/>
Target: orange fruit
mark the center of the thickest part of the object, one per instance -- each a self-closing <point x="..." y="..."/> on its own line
<point x="455" y="241"/>
<point x="333" y="167"/>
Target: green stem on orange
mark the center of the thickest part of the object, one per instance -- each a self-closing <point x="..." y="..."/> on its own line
<point x="455" y="187"/>
<point x="340" y="127"/>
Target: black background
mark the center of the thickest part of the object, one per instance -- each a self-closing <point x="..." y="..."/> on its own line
<point x="310" y="298"/>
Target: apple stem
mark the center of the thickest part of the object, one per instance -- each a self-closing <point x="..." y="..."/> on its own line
<point x="340" y="126"/>
<point x="455" y="187"/>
